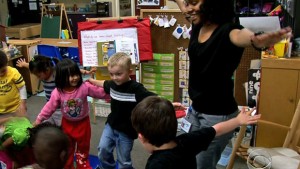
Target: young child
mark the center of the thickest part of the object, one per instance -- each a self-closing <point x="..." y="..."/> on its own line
<point x="70" y="95"/>
<point x="43" y="68"/>
<point x="125" y="94"/>
<point x="14" y="141"/>
<point x="13" y="92"/>
<point x="155" y="121"/>
<point x="45" y="144"/>
<point x="50" y="147"/>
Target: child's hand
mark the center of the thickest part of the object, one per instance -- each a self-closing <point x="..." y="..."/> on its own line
<point x="178" y="106"/>
<point x="22" y="110"/>
<point x="36" y="166"/>
<point x="22" y="63"/>
<point x="35" y="123"/>
<point x="91" y="71"/>
<point x="91" y="80"/>
<point x="245" y="117"/>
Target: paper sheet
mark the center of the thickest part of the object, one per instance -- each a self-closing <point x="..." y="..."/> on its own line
<point x="258" y="24"/>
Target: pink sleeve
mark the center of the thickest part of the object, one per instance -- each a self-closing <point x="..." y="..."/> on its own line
<point x="96" y="91"/>
<point x="49" y="107"/>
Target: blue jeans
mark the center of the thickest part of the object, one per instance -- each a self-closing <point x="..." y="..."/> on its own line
<point x="208" y="159"/>
<point x="109" y="140"/>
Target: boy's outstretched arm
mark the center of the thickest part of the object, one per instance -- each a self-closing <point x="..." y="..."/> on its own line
<point x="96" y="82"/>
<point x="4" y="120"/>
<point x="243" y="118"/>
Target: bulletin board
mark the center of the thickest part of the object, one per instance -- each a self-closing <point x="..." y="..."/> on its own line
<point x="143" y="33"/>
<point x="54" y="20"/>
<point x="51" y="27"/>
<point x="164" y="42"/>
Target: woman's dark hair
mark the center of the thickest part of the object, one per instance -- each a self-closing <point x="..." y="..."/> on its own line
<point x="64" y="69"/>
<point x="41" y="63"/>
<point x="155" y="119"/>
<point x="3" y="59"/>
<point x="217" y="11"/>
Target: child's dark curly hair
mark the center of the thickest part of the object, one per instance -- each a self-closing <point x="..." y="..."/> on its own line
<point x="33" y="131"/>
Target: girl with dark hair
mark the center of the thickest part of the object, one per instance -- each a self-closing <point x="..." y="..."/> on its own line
<point x="215" y="50"/>
<point x="70" y="95"/>
<point x="43" y="68"/>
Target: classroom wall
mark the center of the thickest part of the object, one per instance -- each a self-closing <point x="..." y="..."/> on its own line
<point x="171" y="5"/>
<point x="79" y="3"/>
<point x="3" y="13"/>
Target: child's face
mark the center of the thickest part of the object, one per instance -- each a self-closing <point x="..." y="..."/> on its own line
<point x="119" y="74"/>
<point x="73" y="80"/>
<point x="43" y="75"/>
<point x="3" y="71"/>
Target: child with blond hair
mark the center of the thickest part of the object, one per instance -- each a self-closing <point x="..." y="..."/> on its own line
<point x="125" y="95"/>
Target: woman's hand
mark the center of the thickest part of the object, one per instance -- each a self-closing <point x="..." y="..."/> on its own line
<point x="270" y="38"/>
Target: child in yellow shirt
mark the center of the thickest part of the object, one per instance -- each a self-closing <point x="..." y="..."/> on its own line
<point x="13" y="92"/>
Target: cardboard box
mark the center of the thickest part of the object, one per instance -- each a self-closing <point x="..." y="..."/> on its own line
<point x="24" y="31"/>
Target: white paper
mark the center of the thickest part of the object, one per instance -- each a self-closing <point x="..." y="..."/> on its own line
<point x="255" y="64"/>
<point x="32" y="6"/>
<point x="128" y="46"/>
<point x="185" y="125"/>
<point x="89" y="39"/>
<point x="258" y="24"/>
<point x="32" y="51"/>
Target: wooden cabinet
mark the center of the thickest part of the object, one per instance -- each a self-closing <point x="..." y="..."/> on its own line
<point x="279" y="95"/>
<point x="28" y="49"/>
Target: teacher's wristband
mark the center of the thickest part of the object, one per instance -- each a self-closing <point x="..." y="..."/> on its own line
<point x="255" y="47"/>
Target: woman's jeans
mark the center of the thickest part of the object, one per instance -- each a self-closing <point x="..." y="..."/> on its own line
<point x="111" y="139"/>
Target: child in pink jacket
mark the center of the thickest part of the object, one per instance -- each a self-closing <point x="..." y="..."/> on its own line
<point x="71" y="96"/>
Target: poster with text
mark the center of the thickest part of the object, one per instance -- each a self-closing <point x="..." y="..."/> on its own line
<point x="121" y="36"/>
